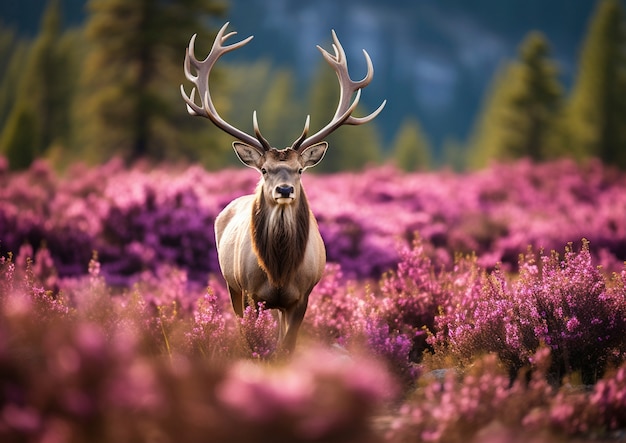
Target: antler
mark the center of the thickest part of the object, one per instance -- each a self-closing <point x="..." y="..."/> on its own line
<point x="201" y="80"/>
<point x="343" y="115"/>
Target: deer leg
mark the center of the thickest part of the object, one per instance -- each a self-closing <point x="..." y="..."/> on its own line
<point x="248" y="301"/>
<point x="282" y="325"/>
<point x="293" y="317"/>
<point x="236" y="297"/>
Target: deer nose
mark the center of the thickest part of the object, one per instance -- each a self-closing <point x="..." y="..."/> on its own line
<point x="285" y="191"/>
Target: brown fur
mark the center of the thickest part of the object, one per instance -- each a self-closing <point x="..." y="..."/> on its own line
<point x="279" y="241"/>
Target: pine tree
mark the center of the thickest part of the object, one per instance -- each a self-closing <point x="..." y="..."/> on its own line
<point x="454" y="155"/>
<point x="597" y="110"/>
<point x="488" y="133"/>
<point x="130" y="102"/>
<point x="411" y="150"/>
<point x="352" y="148"/>
<point x="20" y="138"/>
<point x="521" y="111"/>
<point x="43" y="93"/>
<point x="538" y="99"/>
<point x="10" y="63"/>
<point x="7" y="43"/>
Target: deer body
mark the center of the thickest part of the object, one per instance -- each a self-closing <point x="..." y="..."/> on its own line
<point x="288" y="256"/>
<point x="246" y="273"/>
<point x="269" y="246"/>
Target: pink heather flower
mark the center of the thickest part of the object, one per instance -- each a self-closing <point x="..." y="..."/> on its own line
<point x="333" y="305"/>
<point x="24" y="419"/>
<point x="7" y="273"/>
<point x="94" y="267"/>
<point x="90" y="339"/>
<point x="317" y="395"/>
<point x="259" y="394"/>
<point x="137" y="388"/>
<point x="572" y="324"/>
<point x="259" y="330"/>
<point x="209" y="326"/>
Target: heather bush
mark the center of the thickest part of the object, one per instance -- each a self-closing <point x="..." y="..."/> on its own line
<point x="483" y="405"/>
<point x="332" y="308"/>
<point x="389" y="319"/>
<point x="393" y="347"/>
<point x="140" y="219"/>
<point x="115" y="324"/>
<point x="483" y="321"/>
<point x="91" y="369"/>
<point x="563" y="303"/>
<point x="409" y="296"/>
<point x="457" y="408"/>
<point x="607" y="401"/>
<point x="259" y="330"/>
<point x="572" y="311"/>
<point x="209" y="334"/>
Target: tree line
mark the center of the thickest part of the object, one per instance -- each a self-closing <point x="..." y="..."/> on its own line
<point x="110" y="88"/>
<point x="527" y="112"/>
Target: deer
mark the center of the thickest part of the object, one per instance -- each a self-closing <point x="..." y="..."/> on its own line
<point x="270" y="250"/>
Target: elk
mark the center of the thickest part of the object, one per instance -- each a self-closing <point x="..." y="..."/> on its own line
<point x="269" y="246"/>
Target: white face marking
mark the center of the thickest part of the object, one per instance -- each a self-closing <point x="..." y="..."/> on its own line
<point x="285" y="201"/>
<point x="281" y="216"/>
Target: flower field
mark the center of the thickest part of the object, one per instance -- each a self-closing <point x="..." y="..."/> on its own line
<point x="480" y="307"/>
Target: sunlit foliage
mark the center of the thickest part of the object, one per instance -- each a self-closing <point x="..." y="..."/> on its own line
<point x="597" y="108"/>
<point x="41" y="86"/>
<point x="129" y="101"/>
<point x="411" y="151"/>
<point x="521" y="110"/>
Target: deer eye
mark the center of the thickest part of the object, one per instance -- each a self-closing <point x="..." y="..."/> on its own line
<point x="300" y="171"/>
<point x="263" y="171"/>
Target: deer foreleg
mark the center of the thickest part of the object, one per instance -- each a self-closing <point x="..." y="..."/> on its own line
<point x="282" y="325"/>
<point x="290" y="324"/>
<point x="236" y="297"/>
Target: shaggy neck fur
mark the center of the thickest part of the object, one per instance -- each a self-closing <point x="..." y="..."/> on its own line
<point x="280" y="236"/>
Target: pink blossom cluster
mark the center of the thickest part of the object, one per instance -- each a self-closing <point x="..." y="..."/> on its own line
<point x="483" y="405"/>
<point x="434" y="321"/>
<point x="93" y="367"/>
<point x="140" y="219"/>
<point x="86" y="362"/>
<point x="562" y="302"/>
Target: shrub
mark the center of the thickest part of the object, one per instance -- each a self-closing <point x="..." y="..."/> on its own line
<point x="563" y="303"/>
<point x="92" y="371"/>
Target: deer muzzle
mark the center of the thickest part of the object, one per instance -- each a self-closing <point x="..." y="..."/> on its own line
<point x="284" y="194"/>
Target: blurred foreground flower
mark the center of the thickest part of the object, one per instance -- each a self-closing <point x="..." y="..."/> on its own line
<point x="94" y="372"/>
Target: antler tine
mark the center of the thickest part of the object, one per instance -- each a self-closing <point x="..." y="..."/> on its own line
<point x="348" y="88"/>
<point x="296" y="145"/>
<point x="257" y="132"/>
<point x="201" y="82"/>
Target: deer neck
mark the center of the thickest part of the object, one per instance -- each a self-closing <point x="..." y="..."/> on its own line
<point x="279" y="236"/>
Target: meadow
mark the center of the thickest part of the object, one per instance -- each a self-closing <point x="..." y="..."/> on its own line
<point x="479" y="307"/>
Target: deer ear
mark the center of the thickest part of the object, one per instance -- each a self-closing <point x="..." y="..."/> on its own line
<point x="313" y="154"/>
<point x="248" y="155"/>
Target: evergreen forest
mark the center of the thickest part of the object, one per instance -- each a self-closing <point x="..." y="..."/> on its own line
<point x="109" y="88"/>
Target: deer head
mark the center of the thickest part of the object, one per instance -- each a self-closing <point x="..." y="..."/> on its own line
<point x="280" y="169"/>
